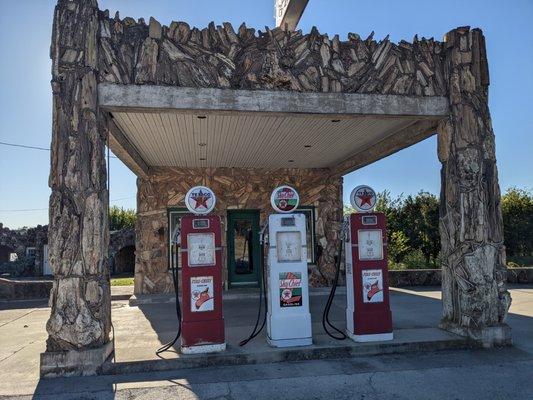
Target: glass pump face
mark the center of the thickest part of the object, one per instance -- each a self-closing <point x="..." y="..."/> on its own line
<point x="289" y="246"/>
<point x="370" y="244"/>
<point x="201" y="249"/>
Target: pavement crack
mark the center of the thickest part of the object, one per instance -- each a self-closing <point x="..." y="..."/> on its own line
<point x="370" y="381"/>
<point x="15" y="352"/>
<point x="16" y="319"/>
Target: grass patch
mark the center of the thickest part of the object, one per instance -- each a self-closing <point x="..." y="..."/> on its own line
<point x="122" y="281"/>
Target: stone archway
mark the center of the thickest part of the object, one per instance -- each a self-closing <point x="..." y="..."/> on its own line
<point x="124" y="261"/>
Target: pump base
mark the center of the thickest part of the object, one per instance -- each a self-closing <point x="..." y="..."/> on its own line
<point x="374" y="337"/>
<point x="290" y="342"/>
<point x="203" y="349"/>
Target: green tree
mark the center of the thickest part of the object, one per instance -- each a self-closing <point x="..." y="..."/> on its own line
<point x="517" y="211"/>
<point x="120" y="218"/>
<point x="398" y="246"/>
<point x="420" y="223"/>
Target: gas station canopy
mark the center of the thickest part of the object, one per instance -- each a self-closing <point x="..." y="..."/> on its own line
<point x="155" y="126"/>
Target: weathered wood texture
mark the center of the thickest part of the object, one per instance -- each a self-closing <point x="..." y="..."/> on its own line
<point x="78" y="233"/>
<point x="474" y="272"/>
<point x="235" y="188"/>
<point x="220" y="57"/>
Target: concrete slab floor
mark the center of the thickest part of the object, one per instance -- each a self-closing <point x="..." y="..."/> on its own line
<point x="141" y="330"/>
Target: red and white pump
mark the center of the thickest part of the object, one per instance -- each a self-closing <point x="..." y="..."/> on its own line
<point x="368" y="314"/>
<point x="201" y="321"/>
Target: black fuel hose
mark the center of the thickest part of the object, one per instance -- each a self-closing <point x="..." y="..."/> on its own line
<point x="262" y="298"/>
<point x="325" y="315"/>
<point x="168" y="346"/>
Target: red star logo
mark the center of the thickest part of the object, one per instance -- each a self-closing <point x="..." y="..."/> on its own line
<point x="366" y="198"/>
<point x="201" y="200"/>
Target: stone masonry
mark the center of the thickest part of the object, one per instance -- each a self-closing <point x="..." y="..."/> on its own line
<point x="474" y="291"/>
<point x="133" y="52"/>
<point x="235" y="188"/>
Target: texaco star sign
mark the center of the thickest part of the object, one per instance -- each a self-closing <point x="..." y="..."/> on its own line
<point x="363" y="198"/>
<point x="200" y="200"/>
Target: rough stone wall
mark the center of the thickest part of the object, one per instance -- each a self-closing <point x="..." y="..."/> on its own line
<point x="19" y="240"/>
<point x="474" y="267"/>
<point x="235" y="188"/>
<point x="133" y="52"/>
<point x="78" y="234"/>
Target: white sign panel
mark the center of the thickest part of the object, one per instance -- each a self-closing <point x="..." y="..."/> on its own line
<point x="363" y="198"/>
<point x="200" y="200"/>
<point x="284" y="199"/>
<point x="202" y="294"/>
<point x="289" y="12"/>
<point x="372" y="280"/>
<point x="289" y="246"/>
<point x="370" y="244"/>
<point x="281" y="8"/>
<point x="201" y="248"/>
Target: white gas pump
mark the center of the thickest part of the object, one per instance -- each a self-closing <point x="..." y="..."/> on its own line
<point x="289" y="318"/>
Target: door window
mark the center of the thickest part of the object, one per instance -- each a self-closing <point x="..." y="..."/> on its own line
<point x="243" y="236"/>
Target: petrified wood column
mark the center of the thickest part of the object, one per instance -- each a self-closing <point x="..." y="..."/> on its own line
<point x="80" y="320"/>
<point x="475" y="298"/>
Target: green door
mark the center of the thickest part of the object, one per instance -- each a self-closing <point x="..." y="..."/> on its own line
<point x="243" y="248"/>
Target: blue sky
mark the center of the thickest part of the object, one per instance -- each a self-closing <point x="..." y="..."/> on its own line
<point x="26" y="101"/>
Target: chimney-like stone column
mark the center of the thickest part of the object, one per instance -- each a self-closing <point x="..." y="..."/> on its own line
<point x="475" y="298"/>
<point x="78" y="329"/>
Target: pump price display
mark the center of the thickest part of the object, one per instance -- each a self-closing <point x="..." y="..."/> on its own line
<point x="201" y="249"/>
<point x="370" y="244"/>
<point x="289" y="246"/>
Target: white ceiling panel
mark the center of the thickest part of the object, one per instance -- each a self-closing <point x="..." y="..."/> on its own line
<point x="250" y="139"/>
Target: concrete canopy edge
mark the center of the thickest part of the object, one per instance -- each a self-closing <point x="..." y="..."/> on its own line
<point x="142" y="97"/>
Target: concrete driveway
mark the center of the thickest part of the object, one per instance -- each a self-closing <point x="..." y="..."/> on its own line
<point x="496" y="373"/>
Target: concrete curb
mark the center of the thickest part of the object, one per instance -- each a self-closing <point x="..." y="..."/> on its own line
<point x="136" y="300"/>
<point x="315" y="352"/>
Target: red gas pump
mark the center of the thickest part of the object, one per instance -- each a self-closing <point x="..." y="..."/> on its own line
<point x="201" y="325"/>
<point x="368" y="314"/>
<point x="201" y="260"/>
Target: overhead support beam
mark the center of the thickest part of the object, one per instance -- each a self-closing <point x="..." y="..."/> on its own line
<point x="289" y="12"/>
<point x="393" y="143"/>
<point x="113" y="97"/>
<point x="125" y="151"/>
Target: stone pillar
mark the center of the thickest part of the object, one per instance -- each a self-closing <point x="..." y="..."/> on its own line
<point x="475" y="299"/>
<point x="80" y="321"/>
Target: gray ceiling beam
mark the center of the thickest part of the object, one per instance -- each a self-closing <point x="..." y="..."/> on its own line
<point x="145" y="98"/>
<point x="394" y="142"/>
<point x="125" y="151"/>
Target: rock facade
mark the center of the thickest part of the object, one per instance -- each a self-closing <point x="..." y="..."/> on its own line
<point x="80" y="299"/>
<point x="235" y="188"/>
<point x="133" y="52"/>
<point x="471" y="227"/>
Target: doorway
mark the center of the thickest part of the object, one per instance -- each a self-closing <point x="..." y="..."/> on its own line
<point x="243" y="248"/>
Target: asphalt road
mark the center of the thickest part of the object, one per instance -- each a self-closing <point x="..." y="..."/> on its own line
<point x="477" y="374"/>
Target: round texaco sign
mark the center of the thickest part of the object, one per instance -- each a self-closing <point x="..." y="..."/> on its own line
<point x="284" y="199"/>
<point x="363" y="198"/>
<point x="200" y="200"/>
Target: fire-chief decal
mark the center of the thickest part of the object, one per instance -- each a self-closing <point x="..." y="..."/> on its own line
<point x="290" y="289"/>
